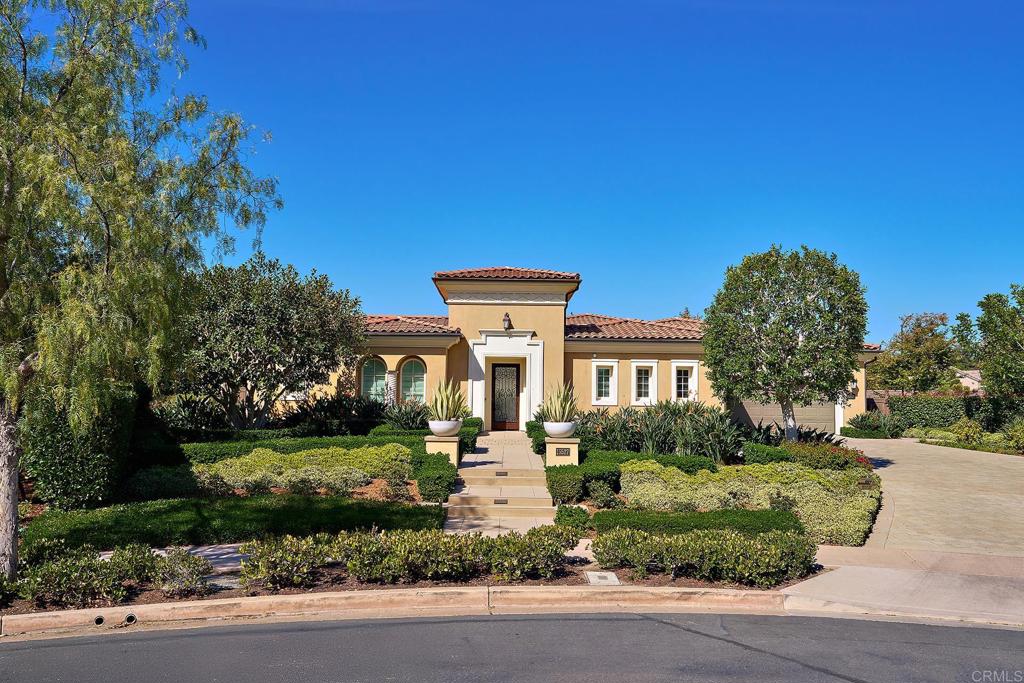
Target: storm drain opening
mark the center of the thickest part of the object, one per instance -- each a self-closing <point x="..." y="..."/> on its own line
<point x="98" y="620"/>
<point x="501" y="501"/>
<point x="130" y="619"/>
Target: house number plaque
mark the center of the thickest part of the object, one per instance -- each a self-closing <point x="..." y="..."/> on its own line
<point x="562" y="452"/>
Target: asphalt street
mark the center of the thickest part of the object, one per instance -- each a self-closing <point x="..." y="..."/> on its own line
<point x="592" y="648"/>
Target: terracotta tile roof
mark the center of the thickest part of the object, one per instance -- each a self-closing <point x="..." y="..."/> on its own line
<point x="504" y="273"/>
<point x="409" y="324"/>
<point x="872" y="347"/>
<point x="596" y="326"/>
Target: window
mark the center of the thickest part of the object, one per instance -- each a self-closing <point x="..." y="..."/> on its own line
<point x="604" y="383"/>
<point x="414" y="381"/>
<point x="645" y="382"/>
<point x="684" y="380"/>
<point x="375" y="379"/>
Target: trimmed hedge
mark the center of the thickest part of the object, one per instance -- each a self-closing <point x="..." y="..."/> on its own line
<point x="744" y="521"/>
<point x="814" y="455"/>
<point x="762" y="560"/>
<point x="435" y="476"/>
<point x="210" y="452"/>
<point x="572" y="516"/>
<point x="467" y="435"/>
<point x="535" y="431"/>
<point x="222" y="520"/>
<point x="927" y="410"/>
<point x="761" y="454"/>
<point x="567" y="483"/>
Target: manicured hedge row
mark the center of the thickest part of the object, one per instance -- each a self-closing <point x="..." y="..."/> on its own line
<point x="567" y="483"/>
<point x="822" y="456"/>
<point x="209" y="452"/>
<point x="434" y="474"/>
<point x="745" y="521"/>
<point x="223" y="520"/>
<point x="535" y="431"/>
<point x="762" y="560"/>
<point x="467" y="435"/>
<point x="925" y="410"/>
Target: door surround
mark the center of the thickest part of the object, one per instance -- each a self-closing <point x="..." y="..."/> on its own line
<point x="506" y="345"/>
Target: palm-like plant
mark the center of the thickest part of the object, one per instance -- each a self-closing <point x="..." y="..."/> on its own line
<point x="560" y="405"/>
<point x="448" y="403"/>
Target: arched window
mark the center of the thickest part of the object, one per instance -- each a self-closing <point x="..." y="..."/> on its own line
<point x="375" y="379"/>
<point x="414" y="381"/>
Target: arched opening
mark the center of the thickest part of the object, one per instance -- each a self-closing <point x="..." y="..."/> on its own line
<point x="374" y="381"/>
<point x="413" y="385"/>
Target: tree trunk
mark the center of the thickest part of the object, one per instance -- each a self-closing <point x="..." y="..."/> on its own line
<point x="8" y="491"/>
<point x="789" y="420"/>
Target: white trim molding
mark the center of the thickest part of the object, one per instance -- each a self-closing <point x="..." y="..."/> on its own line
<point x="613" y="382"/>
<point x="503" y="345"/>
<point x="652" y="387"/>
<point x="692" y="366"/>
<point x="528" y="298"/>
<point x="840" y="419"/>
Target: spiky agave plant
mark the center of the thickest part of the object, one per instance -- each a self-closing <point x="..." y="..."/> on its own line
<point x="448" y="403"/>
<point x="560" y="404"/>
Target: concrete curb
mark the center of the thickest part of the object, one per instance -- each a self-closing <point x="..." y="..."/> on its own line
<point x="412" y="602"/>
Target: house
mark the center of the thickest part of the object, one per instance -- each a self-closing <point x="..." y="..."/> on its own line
<point x="507" y="339"/>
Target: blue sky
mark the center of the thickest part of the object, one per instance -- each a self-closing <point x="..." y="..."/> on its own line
<point x="646" y="144"/>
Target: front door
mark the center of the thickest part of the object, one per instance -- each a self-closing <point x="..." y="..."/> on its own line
<point x="504" y="397"/>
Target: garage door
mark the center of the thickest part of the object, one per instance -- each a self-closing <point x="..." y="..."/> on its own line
<point x="819" y="416"/>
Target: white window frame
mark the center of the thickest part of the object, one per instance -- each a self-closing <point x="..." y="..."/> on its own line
<point x="613" y="382"/>
<point x="692" y="366"/>
<point x="653" y="398"/>
<point x="401" y="379"/>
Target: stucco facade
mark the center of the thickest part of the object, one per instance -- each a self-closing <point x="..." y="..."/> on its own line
<point x="507" y="340"/>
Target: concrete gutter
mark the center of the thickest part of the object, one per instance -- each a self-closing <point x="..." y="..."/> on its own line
<point x="449" y="601"/>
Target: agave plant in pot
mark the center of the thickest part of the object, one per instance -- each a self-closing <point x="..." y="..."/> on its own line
<point x="559" y="412"/>
<point x="447" y="409"/>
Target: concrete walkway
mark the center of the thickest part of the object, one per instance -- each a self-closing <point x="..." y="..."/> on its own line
<point x="502" y="488"/>
<point x="948" y="541"/>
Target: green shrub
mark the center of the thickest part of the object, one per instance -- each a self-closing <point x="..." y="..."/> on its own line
<point x="601" y="494"/>
<point x="565" y="483"/>
<point x="162" y="481"/>
<point x="744" y="521"/>
<point x="835" y="506"/>
<point x="77" y="579"/>
<point x="762" y="560"/>
<point x="406" y="415"/>
<point x="687" y="463"/>
<point x="825" y="456"/>
<point x="967" y="432"/>
<point x="539" y="553"/>
<point x="535" y="432"/>
<point x="8" y="591"/>
<point x="467" y="435"/>
<point x="72" y="470"/>
<point x="222" y="520"/>
<point x="855" y="433"/>
<point x="435" y="476"/>
<point x="181" y="574"/>
<point x="1014" y="435"/>
<point x="134" y="562"/>
<point x="572" y="516"/>
<point x="286" y="562"/>
<point x="412" y="556"/>
<point x="927" y="410"/>
<point x="332" y="414"/>
<point x="756" y="453"/>
<point x="876" y="421"/>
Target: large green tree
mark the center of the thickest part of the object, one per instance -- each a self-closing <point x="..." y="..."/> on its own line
<point x="786" y="327"/>
<point x="918" y="358"/>
<point x="1001" y="328"/>
<point x="261" y="330"/>
<point x="108" y="185"/>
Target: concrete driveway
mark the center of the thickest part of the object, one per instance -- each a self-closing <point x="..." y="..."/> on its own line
<point x="947" y="499"/>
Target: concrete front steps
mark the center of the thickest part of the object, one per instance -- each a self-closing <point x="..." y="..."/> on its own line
<point x="501" y="493"/>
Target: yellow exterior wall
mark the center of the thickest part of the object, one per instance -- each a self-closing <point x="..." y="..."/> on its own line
<point x="546" y="320"/>
<point x="578" y="367"/>
<point x="859" y="401"/>
<point x="435" y="360"/>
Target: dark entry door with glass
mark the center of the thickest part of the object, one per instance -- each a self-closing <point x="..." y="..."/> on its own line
<point x="504" y="397"/>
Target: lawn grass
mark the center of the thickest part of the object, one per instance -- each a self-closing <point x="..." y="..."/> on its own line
<point x="200" y="521"/>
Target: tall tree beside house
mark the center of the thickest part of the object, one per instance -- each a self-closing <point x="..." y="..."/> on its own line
<point x="1001" y="330"/>
<point x="260" y="331"/>
<point x="918" y="358"/>
<point x="105" y="196"/>
<point x="966" y="343"/>
<point x="786" y="327"/>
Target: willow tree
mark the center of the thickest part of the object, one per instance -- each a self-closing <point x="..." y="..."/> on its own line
<point x="109" y="186"/>
<point x="786" y="327"/>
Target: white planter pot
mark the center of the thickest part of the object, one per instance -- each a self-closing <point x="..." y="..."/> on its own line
<point x="560" y="430"/>
<point x="444" y="427"/>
